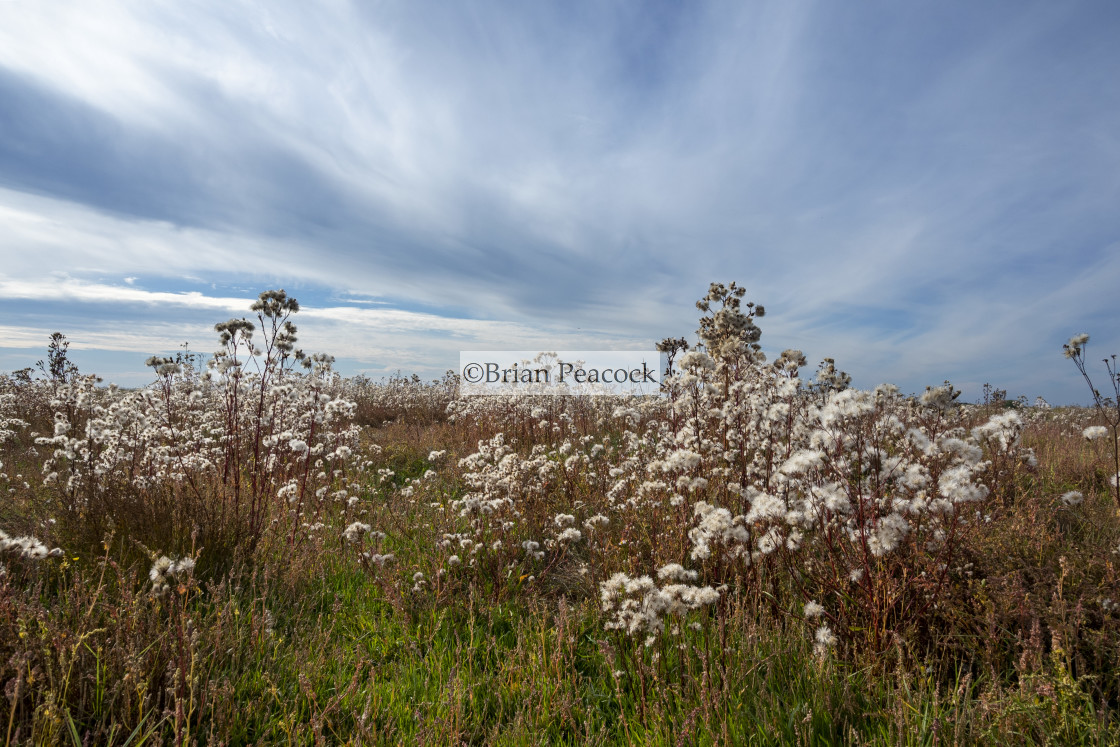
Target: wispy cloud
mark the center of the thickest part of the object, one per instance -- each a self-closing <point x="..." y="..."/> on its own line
<point x="921" y="191"/>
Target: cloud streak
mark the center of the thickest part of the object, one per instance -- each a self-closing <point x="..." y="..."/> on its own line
<point x="919" y="191"/>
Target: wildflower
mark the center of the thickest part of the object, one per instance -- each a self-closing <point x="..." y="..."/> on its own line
<point x="611" y="589"/>
<point x="182" y="566"/>
<point x="381" y="560"/>
<point x="812" y="609"/>
<point x="289" y="490"/>
<point x="682" y="460"/>
<point x="596" y="520"/>
<point x="28" y="547"/>
<point x="716" y="525"/>
<point x="697" y="360"/>
<point x="887" y="536"/>
<point x="1001" y="431"/>
<point x="563" y="520"/>
<point x="793" y="542"/>
<point x="165" y="570"/>
<point x="938" y="398"/>
<point x="956" y="485"/>
<point x="639" y="606"/>
<point x="354" y="532"/>
<point x="676" y="572"/>
<point x="1073" y="498"/>
<point x="770" y="541"/>
<point x="571" y="534"/>
<point x="802" y="462"/>
<point x="824" y="640"/>
<point x="159" y="568"/>
<point x="1076" y="343"/>
<point x="1094" y="432"/>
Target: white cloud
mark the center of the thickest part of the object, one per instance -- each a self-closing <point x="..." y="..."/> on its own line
<point x="582" y="171"/>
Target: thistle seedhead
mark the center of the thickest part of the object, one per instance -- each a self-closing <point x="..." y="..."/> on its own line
<point x="275" y="304"/>
<point x="286" y="338"/>
<point x="939" y="397"/>
<point x="164" y="366"/>
<point x="829" y="378"/>
<point x="58" y="366"/>
<point x="229" y="332"/>
<point x="1075" y="346"/>
<point x="790" y="361"/>
<point x="727" y="331"/>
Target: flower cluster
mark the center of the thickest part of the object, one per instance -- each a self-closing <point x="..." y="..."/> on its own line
<point x="640" y="606"/>
<point x="26" y="547"/>
<point x="270" y="445"/>
<point x="166" y="571"/>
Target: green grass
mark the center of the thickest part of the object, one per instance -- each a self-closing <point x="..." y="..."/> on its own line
<point x="341" y="666"/>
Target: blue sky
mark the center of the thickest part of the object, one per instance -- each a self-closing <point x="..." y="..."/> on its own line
<point x="922" y="191"/>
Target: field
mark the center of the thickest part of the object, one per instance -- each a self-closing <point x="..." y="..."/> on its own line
<point x="254" y="550"/>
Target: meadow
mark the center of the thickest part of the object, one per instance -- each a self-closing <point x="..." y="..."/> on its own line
<point x="255" y="550"/>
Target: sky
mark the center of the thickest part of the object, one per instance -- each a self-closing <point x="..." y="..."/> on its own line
<point x="922" y="191"/>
